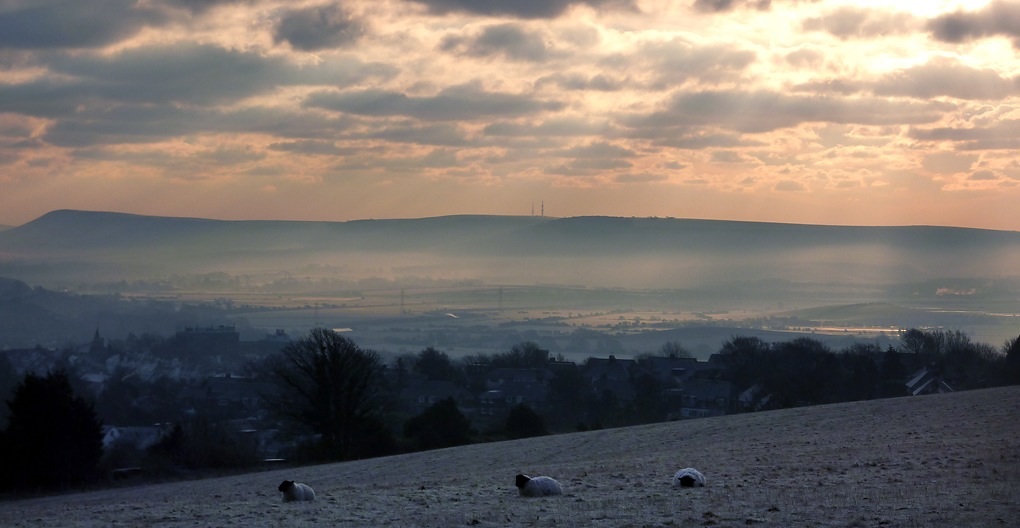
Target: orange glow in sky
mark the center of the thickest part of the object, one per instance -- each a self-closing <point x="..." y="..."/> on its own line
<point x="823" y="112"/>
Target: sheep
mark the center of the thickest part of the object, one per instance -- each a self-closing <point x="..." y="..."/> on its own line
<point x="538" y="486"/>
<point x="296" y="491"/>
<point x="688" y="478"/>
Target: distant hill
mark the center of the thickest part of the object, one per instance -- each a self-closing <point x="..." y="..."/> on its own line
<point x="37" y="316"/>
<point x="588" y="251"/>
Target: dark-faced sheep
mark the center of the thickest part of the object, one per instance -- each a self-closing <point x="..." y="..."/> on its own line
<point x="538" y="486"/>
<point x="688" y="478"/>
<point x="296" y="491"/>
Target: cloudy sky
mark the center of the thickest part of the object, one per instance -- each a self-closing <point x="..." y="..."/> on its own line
<point x="825" y="111"/>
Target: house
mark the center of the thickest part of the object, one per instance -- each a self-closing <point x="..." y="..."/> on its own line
<point x="422" y="394"/>
<point x="197" y="343"/>
<point x="754" y="398"/>
<point x="496" y="403"/>
<point x="701" y="398"/>
<point x="611" y="376"/>
<point x="138" y="437"/>
<point x="672" y="371"/>
<point x="232" y="396"/>
<point x="500" y="376"/>
<point x="927" y="380"/>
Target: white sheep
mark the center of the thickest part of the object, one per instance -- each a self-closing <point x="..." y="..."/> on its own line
<point x="296" y="491"/>
<point x="538" y="486"/>
<point x="688" y="478"/>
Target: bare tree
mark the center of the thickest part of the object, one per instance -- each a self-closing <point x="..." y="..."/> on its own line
<point x="673" y="349"/>
<point x="333" y="387"/>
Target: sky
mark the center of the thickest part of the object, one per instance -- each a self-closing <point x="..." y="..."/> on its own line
<point x="840" y="112"/>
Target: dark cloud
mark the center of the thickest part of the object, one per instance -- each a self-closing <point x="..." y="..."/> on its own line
<point x="596" y="150"/>
<point x="587" y="167"/>
<point x="764" y="111"/>
<point x="830" y="86"/>
<point x="1001" y="134"/>
<point x="548" y="128"/>
<point x="466" y="102"/>
<point x="527" y="9"/>
<point x="676" y="61"/>
<point x="805" y="58"/>
<point x="997" y="18"/>
<point x="185" y="74"/>
<point x="439" y="134"/>
<point x="138" y="124"/>
<point x="73" y="23"/>
<point x="945" y="77"/>
<point x="199" y="74"/>
<point x="728" y="156"/>
<point x="511" y="41"/>
<point x="719" y="6"/>
<point x="700" y="141"/>
<point x="231" y="155"/>
<point x="201" y="6"/>
<point x="311" y="147"/>
<point x="850" y="22"/>
<point x="789" y="186"/>
<point x="576" y="81"/>
<point x="318" y="28"/>
<point x="77" y="24"/>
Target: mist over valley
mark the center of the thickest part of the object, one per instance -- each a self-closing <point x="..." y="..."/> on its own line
<point x="399" y="285"/>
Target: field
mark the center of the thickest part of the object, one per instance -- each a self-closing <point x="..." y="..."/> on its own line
<point x="941" y="460"/>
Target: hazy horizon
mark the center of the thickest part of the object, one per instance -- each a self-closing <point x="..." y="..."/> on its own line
<point x="640" y="268"/>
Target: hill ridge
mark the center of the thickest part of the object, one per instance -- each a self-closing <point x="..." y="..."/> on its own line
<point x="589" y="251"/>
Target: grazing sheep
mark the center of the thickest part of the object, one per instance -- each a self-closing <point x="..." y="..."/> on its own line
<point x="688" y="478"/>
<point x="296" y="491"/>
<point x="538" y="486"/>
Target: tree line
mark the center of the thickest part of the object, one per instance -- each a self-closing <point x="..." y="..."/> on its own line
<point x="340" y="400"/>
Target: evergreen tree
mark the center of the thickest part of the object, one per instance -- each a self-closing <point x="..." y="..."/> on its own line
<point x="523" y="422"/>
<point x="441" y="425"/>
<point x="1012" y="351"/>
<point x="436" y="365"/>
<point x="53" y="438"/>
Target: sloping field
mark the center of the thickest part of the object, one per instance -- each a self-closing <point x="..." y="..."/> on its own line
<point x="944" y="460"/>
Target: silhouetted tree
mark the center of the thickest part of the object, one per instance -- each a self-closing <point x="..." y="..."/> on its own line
<point x="860" y="374"/>
<point x="334" y="388"/>
<point x="53" y="438"/>
<point x="567" y="393"/>
<point x="892" y="374"/>
<point x="441" y="425"/>
<point x="649" y="404"/>
<point x="522" y="355"/>
<point x="116" y="403"/>
<point x="436" y="365"/>
<point x="200" y="443"/>
<point x="745" y="359"/>
<point x="924" y="344"/>
<point x="1012" y="371"/>
<point x="8" y="381"/>
<point x="523" y="422"/>
<point x="958" y="360"/>
<point x="673" y="349"/>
